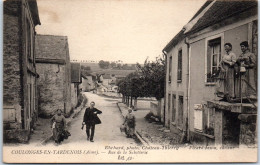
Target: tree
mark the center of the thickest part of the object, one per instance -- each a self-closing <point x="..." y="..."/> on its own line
<point x="147" y="81"/>
<point x="103" y="64"/>
<point x="119" y="66"/>
<point x="153" y="76"/>
<point x="113" y="64"/>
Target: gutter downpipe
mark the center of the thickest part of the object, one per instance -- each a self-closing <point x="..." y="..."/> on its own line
<point x="164" y="107"/>
<point x="188" y="89"/>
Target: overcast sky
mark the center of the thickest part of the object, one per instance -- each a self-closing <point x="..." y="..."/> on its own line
<point x="128" y="30"/>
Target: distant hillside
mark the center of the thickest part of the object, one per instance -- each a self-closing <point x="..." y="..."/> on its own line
<point x="93" y="66"/>
<point x="115" y="72"/>
<point x="96" y="69"/>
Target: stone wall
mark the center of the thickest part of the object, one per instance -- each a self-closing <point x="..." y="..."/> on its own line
<point x="67" y="83"/>
<point x="17" y="119"/>
<point x="53" y="66"/>
<point x="11" y="61"/>
<point x="248" y="129"/>
<point x="74" y="99"/>
<point x="12" y="57"/>
<point x="51" y="88"/>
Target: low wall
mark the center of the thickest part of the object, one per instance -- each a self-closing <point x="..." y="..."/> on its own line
<point x="155" y="109"/>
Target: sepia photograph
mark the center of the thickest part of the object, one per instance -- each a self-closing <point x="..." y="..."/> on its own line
<point x="130" y="81"/>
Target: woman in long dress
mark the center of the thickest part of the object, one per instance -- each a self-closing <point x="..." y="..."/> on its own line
<point x="225" y="87"/>
<point x="248" y="73"/>
<point x="58" y="123"/>
<point x="130" y="123"/>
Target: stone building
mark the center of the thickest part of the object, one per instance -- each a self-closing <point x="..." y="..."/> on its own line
<point x="193" y="111"/>
<point x="75" y="83"/>
<point x="53" y="66"/>
<point x="88" y="81"/>
<point x="19" y="79"/>
<point x="107" y="79"/>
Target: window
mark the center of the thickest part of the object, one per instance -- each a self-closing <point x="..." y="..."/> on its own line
<point x="170" y="69"/>
<point x="28" y="39"/>
<point x="213" y="58"/>
<point x="179" y="71"/>
<point x="180" y="111"/>
<point x="173" y="108"/>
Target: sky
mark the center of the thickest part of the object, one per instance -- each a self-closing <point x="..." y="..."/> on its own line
<point x="112" y="30"/>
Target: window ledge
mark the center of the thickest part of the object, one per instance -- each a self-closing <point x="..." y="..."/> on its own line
<point x="169" y="82"/>
<point x="173" y="123"/>
<point x="179" y="81"/>
<point x="210" y="84"/>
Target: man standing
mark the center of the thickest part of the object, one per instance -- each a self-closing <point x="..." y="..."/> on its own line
<point x="91" y="119"/>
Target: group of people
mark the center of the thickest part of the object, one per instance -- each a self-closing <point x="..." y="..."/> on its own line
<point x="237" y="76"/>
<point x="90" y="119"/>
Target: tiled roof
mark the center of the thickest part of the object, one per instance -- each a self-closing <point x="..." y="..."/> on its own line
<point x="178" y="37"/>
<point x="201" y="9"/>
<point x="75" y="73"/>
<point x="51" y="47"/>
<point x="221" y="10"/>
<point x="88" y="74"/>
<point x="106" y="76"/>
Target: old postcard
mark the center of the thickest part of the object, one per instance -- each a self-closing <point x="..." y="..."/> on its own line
<point x="130" y="81"/>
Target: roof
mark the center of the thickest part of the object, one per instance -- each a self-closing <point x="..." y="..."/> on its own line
<point x="75" y="73"/>
<point x="201" y="9"/>
<point x="52" y="47"/>
<point x="12" y="7"/>
<point x="120" y="76"/>
<point x="34" y="10"/>
<point x="219" y="11"/>
<point x="180" y="36"/>
<point x="106" y="76"/>
<point x="88" y="74"/>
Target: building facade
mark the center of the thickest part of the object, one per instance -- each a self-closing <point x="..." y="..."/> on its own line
<point x="88" y="82"/>
<point x="19" y="79"/>
<point x="192" y="60"/>
<point x="75" y="83"/>
<point x="107" y="79"/>
<point x="177" y="86"/>
<point x="53" y="66"/>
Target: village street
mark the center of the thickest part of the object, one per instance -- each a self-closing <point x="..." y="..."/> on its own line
<point x="106" y="133"/>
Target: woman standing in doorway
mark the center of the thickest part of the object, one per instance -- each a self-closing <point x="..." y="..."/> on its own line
<point x="225" y="87"/>
<point x="246" y="82"/>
